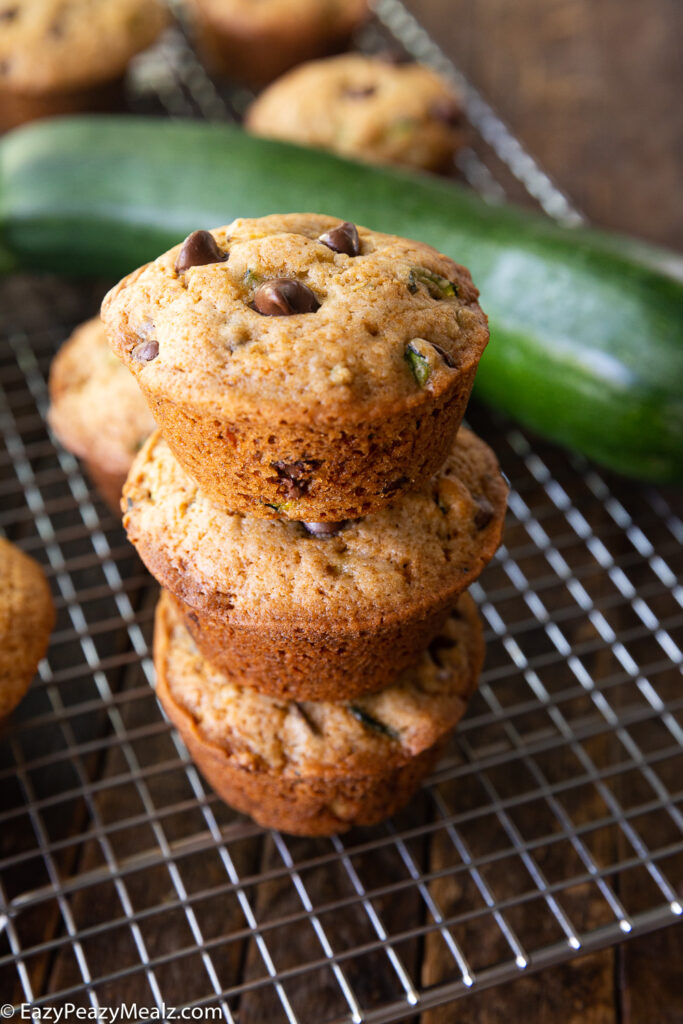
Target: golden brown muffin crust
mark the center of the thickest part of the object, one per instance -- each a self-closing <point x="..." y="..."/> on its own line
<point x="27" y="617"/>
<point x="96" y="408"/>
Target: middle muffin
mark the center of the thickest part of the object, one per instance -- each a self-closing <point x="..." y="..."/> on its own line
<point x="317" y="611"/>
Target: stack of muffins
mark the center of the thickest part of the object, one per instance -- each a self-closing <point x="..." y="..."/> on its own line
<point x="310" y="507"/>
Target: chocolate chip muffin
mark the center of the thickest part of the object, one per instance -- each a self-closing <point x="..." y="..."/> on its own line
<point x="97" y="410"/>
<point x="255" y="42"/>
<point x="27" y="617"/>
<point x="364" y="107"/>
<point x="301" y="366"/>
<point x="317" y="768"/>
<point x="59" y="57"/>
<point x="308" y="611"/>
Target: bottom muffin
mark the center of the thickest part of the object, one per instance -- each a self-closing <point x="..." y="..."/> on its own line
<point x="317" y="768"/>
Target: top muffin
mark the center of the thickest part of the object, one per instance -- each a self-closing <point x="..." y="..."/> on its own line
<point x="55" y="44"/>
<point x="275" y="340"/>
<point x="221" y="331"/>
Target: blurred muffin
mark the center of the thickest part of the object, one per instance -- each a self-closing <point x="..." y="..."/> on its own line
<point x="317" y="768"/>
<point x="27" y="616"/>
<point x="364" y="107"/>
<point x="255" y="42"/>
<point x="97" y="410"/>
<point x="59" y="57"/>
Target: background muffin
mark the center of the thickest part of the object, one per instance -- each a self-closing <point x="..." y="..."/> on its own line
<point x="59" y="57"/>
<point x="97" y="410"/>
<point x="317" y="768"/>
<point x="255" y="42"/>
<point x="316" y="615"/>
<point x="364" y="107"/>
<point x="301" y="366"/>
<point x="27" y="617"/>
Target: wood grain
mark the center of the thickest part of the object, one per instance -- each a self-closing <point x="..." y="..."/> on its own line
<point x="593" y="90"/>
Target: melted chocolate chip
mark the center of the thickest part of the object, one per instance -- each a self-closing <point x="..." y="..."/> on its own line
<point x="295" y="477"/>
<point x="446" y="356"/>
<point x="342" y="239"/>
<point x="483" y="514"/>
<point x="447" y="112"/>
<point x="395" y="485"/>
<point x="325" y="529"/>
<point x="9" y="13"/>
<point x="438" y="645"/>
<point x="284" y="296"/>
<point x="145" y="351"/>
<point x="198" y="249"/>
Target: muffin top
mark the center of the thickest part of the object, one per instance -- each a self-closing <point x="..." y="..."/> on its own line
<point x="26" y="620"/>
<point x="97" y="410"/>
<point x="426" y="546"/>
<point x="298" y="315"/>
<point x="364" y="107"/>
<point x="331" y="16"/>
<point x="64" y="44"/>
<point x="314" y="738"/>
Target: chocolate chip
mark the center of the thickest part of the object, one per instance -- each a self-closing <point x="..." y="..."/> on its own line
<point x="395" y="485"/>
<point x="436" y="648"/>
<point x="325" y="529"/>
<point x="483" y="514"/>
<point x="360" y="92"/>
<point x="446" y="356"/>
<point x="145" y="351"/>
<point x="342" y="239"/>
<point x="284" y="296"/>
<point x="295" y="477"/>
<point x="198" y="249"/>
<point x="447" y="112"/>
<point x="9" y="13"/>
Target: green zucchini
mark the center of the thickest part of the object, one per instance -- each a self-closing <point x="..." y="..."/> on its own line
<point x="586" y="329"/>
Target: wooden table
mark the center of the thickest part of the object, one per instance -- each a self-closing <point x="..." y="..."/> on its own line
<point x="593" y="90"/>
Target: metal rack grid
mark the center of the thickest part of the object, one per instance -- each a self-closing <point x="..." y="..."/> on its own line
<point x="552" y="826"/>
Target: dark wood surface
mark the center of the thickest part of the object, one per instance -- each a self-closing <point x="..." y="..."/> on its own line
<point x="593" y="90"/>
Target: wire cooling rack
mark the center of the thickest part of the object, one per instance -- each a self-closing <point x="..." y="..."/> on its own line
<point x="552" y="827"/>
